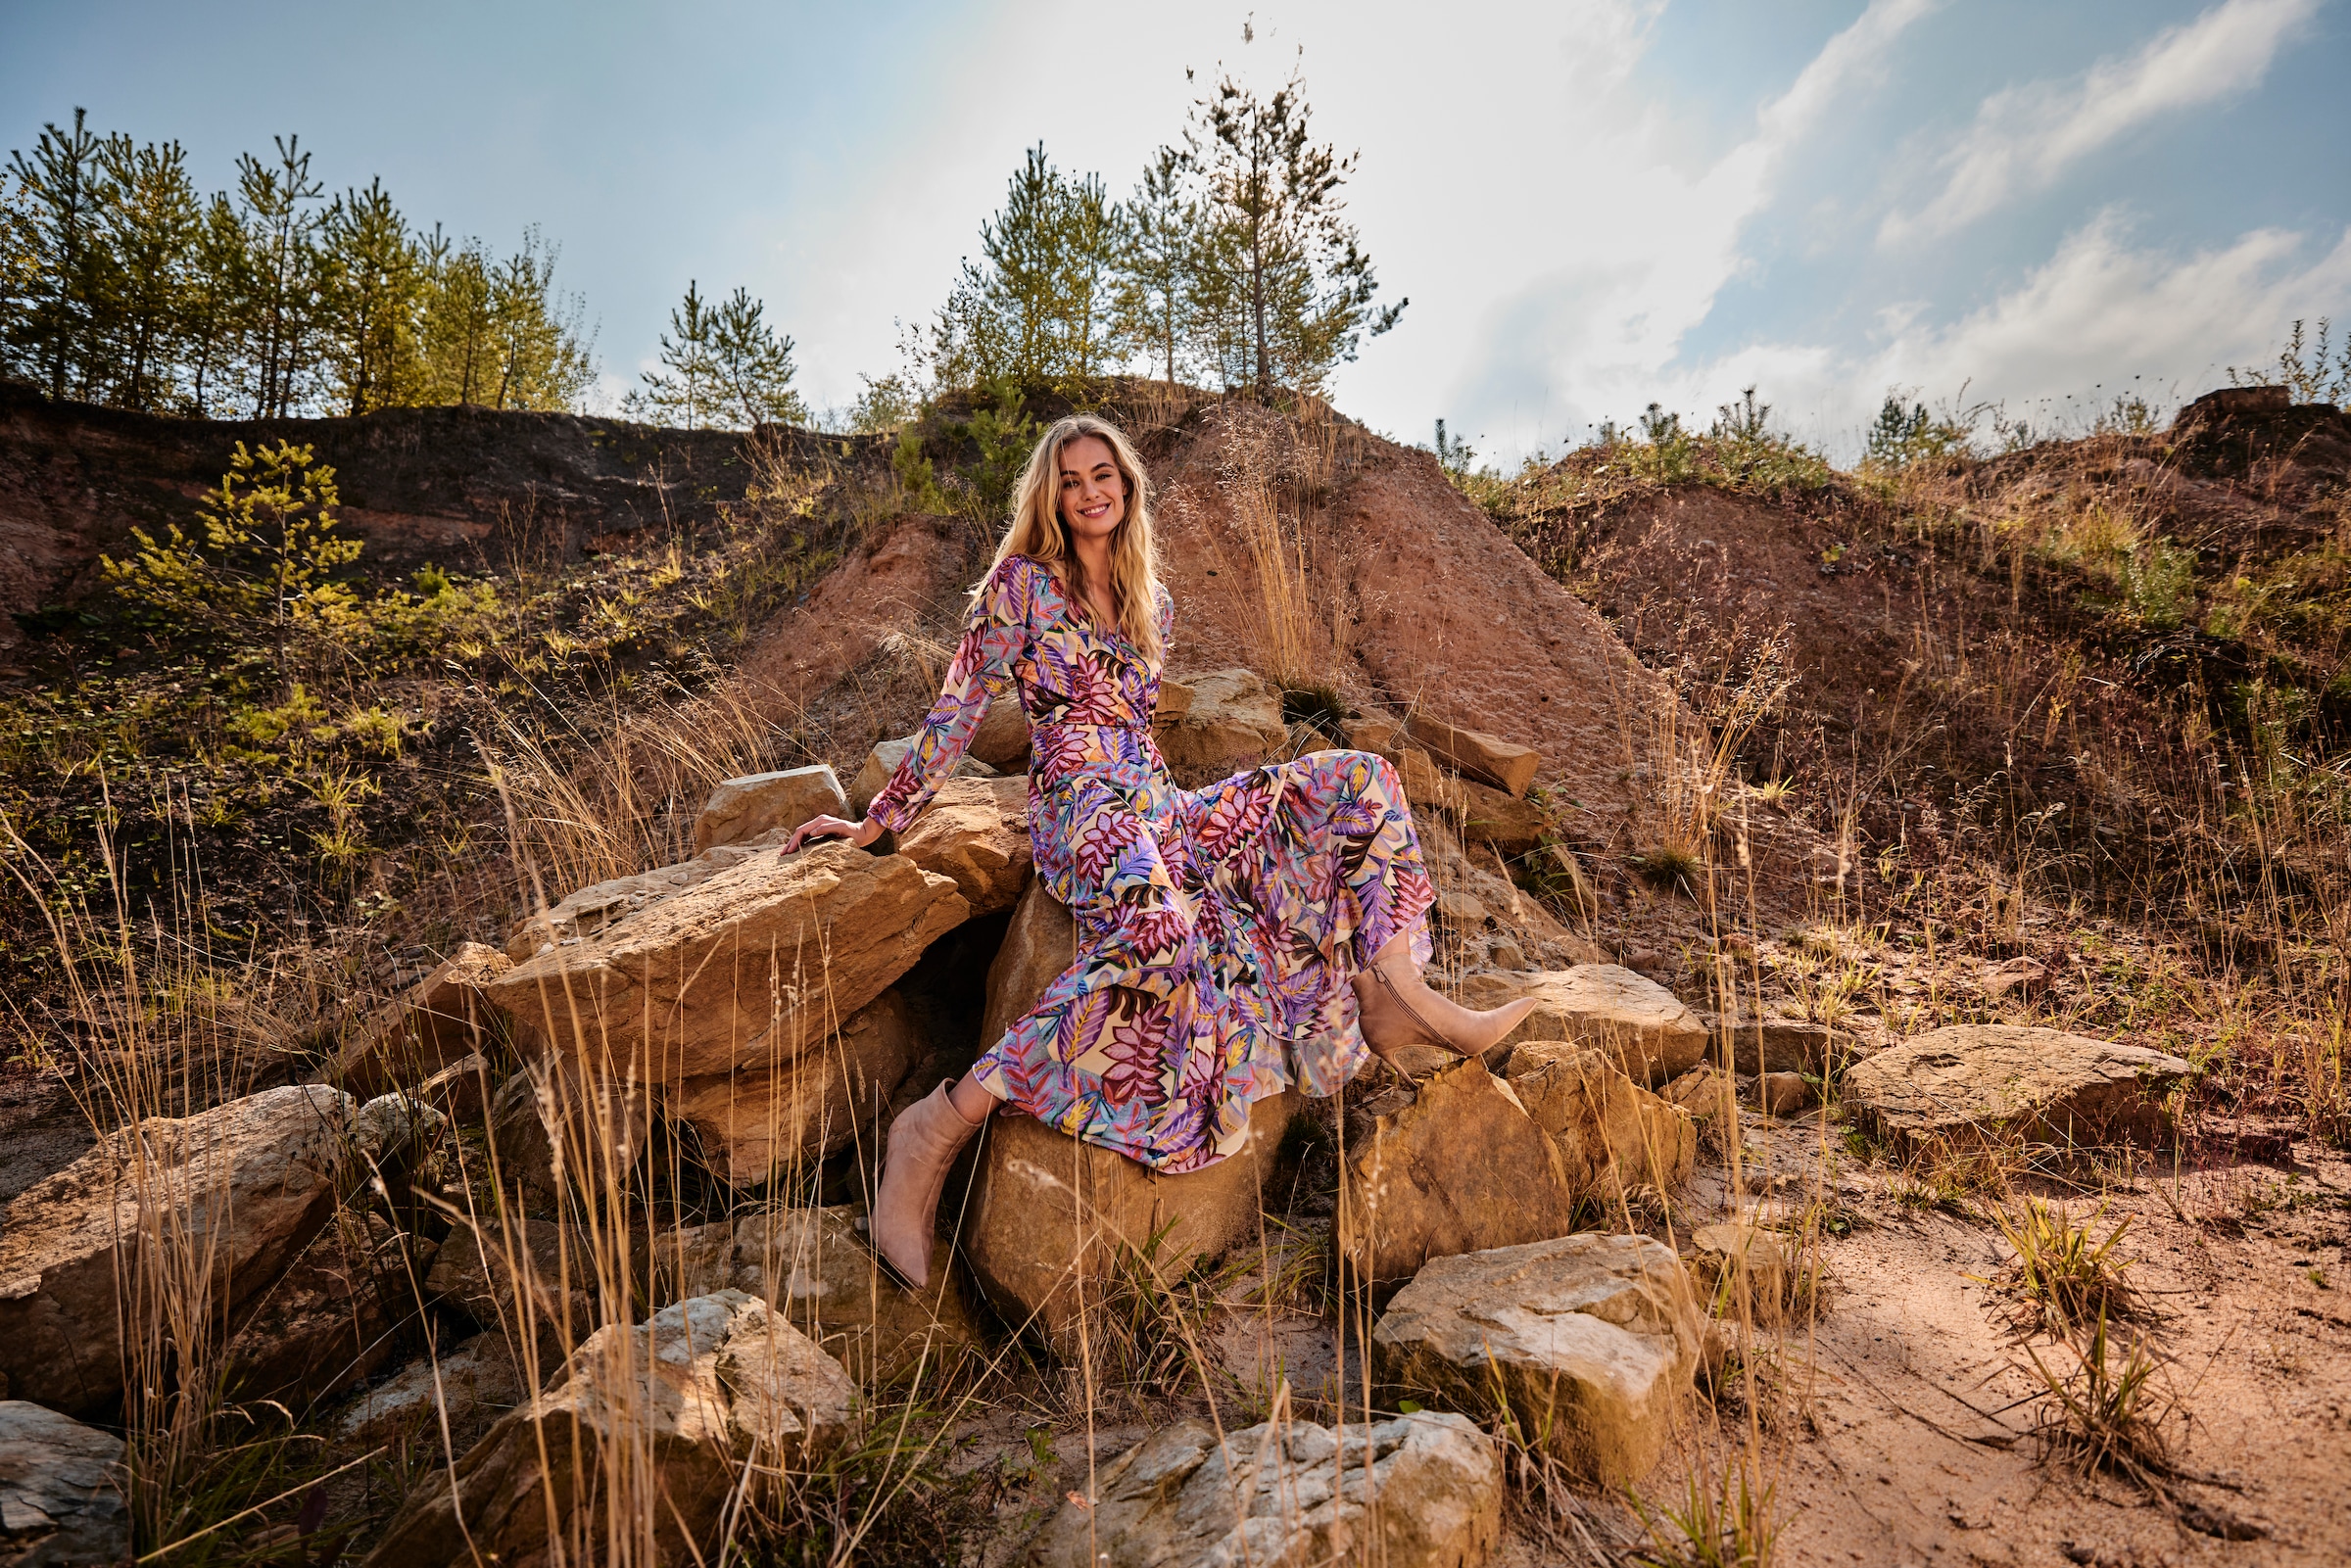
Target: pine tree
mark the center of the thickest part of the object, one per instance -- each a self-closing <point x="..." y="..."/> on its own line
<point x="215" y="304"/>
<point x="149" y="224"/>
<point x="686" y="388"/>
<point x="54" y="334"/>
<point x="461" y="330"/>
<point x="1274" y="196"/>
<point x="281" y="225"/>
<point x="1159" y="255"/>
<point x="542" y="362"/>
<point x="753" y="367"/>
<point x="1043" y="306"/>
<point x="374" y="289"/>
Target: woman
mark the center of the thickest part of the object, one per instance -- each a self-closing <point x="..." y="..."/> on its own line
<point x="1231" y="942"/>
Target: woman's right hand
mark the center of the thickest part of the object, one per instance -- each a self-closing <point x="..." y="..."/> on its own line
<point x="860" y="833"/>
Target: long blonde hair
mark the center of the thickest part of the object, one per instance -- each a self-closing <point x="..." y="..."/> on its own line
<point x="1038" y="532"/>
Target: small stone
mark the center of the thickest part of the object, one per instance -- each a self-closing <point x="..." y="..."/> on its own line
<point x="328" y="1321"/>
<point x="1745" y="1267"/>
<point x="470" y="1385"/>
<point x="392" y="1134"/>
<point x="1653" y="1036"/>
<point x="2023" y="975"/>
<point x="1421" y="1490"/>
<point x="461" y="1090"/>
<point x="1783" y="1094"/>
<point x="1457" y="1167"/>
<point x="1476" y="754"/>
<point x="761" y="804"/>
<point x="2045" y="1086"/>
<point x="1591" y="1339"/>
<point x="1375" y="732"/>
<point x="61" y="1491"/>
<point x="513" y="1278"/>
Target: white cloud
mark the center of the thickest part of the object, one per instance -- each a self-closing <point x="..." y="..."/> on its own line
<point x="2025" y="138"/>
<point x="2100" y="309"/>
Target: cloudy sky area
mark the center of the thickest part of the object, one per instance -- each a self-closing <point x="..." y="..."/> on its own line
<point x="1592" y="202"/>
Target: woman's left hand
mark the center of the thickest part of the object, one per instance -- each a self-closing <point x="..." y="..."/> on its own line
<point x="860" y="833"/>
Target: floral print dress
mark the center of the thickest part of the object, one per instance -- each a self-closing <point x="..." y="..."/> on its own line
<point x="1218" y="929"/>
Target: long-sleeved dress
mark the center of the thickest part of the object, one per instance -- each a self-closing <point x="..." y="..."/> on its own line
<point x="1218" y="929"/>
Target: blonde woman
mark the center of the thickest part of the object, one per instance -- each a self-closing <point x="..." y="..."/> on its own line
<point x="1233" y="941"/>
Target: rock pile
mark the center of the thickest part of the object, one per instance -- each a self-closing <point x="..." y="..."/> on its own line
<point x="1979" y="1080"/>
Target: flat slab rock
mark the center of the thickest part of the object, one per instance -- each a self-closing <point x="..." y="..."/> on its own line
<point x="1644" y="1026"/>
<point x="1289" y="1492"/>
<point x="2046" y="1085"/>
<point x="61" y="1490"/>
<point x="1591" y="1339"/>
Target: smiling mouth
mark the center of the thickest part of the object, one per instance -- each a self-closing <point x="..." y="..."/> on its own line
<point x="1102" y="511"/>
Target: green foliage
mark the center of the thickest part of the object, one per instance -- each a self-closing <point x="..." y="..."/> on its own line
<point x="886" y="404"/>
<point x="1159" y="259"/>
<point x="2303" y="368"/>
<point x="120" y="284"/>
<point x="266" y="568"/>
<point x="1004" y="436"/>
<point x="1905" y="436"/>
<point x="1040" y="309"/>
<point x="1453" y="454"/>
<point x="916" y="476"/>
<point x="721" y="367"/>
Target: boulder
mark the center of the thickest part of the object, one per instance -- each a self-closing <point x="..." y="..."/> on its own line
<point x="1429" y="788"/>
<point x="393" y="1134"/>
<point x="883" y="761"/>
<point x="1003" y="738"/>
<point x="332" y="1320"/>
<point x="249" y="1182"/>
<point x="469" y="1387"/>
<point x="441" y="1019"/>
<point x="761" y="804"/>
<point x="1783" y="1094"/>
<point x="1047" y="1215"/>
<point x="1476" y="754"/>
<point x="1743" y="1267"/>
<point x="742" y="970"/>
<point x="1455" y="1167"/>
<point x="1173" y="701"/>
<point x="1654" y="1036"/>
<point x="1039" y="944"/>
<point x="1711" y="1098"/>
<point x="1505" y="822"/>
<point x="1421" y="1490"/>
<point x="1591" y="1339"/>
<point x="1612" y="1134"/>
<point x="1234" y="721"/>
<point x="975" y="831"/>
<point x="520" y="1144"/>
<point x="61" y="1502"/>
<point x="1376" y="733"/>
<point x="765" y="1121"/>
<point x="601" y="904"/>
<point x="813" y="1266"/>
<point x="526" y="1279"/>
<point x="697" y="1393"/>
<point x="1978" y="1081"/>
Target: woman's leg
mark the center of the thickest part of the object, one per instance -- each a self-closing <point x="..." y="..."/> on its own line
<point x="1399" y="1009"/>
<point x="972" y="1100"/>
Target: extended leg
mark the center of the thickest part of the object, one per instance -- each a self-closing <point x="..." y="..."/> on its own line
<point x="1399" y="1010"/>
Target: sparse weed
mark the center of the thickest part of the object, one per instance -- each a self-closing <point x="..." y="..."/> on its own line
<point x="2063" y="1279"/>
<point x="2106" y="1415"/>
<point x="1725" y="1518"/>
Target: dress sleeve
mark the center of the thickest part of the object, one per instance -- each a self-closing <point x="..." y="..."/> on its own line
<point x="994" y="634"/>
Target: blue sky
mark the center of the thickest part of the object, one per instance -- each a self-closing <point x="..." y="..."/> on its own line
<point x="1591" y="204"/>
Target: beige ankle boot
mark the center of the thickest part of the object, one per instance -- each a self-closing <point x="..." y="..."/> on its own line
<point x="1403" y="1019"/>
<point x="924" y="1142"/>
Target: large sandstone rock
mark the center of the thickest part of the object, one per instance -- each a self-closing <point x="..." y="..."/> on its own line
<point x="61" y="1502"/>
<point x="1040" y="944"/>
<point x="330" y="1321"/>
<point x="1770" y="1043"/>
<point x="1233" y="722"/>
<point x="1612" y="1134"/>
<point x="598" y="904"/>
<point x="1591" y="1339"/>
<point x="761" y="804"/>
<point x="1505" y="821"/>
<point x="1420" y="1492"/>
<point x="248" y="1183"/>
<point x="975" y="830"/>
<point x="762" y="1122"/>
<point x="815" y="1269"/>
<point x="1976" y="1080"/>
<point x="1455" y="1167"/>
<point x="744" y="969"/>
<point x="1487" y="758"/>
<point x="443" y="1018"/>
<point x="682" y="1403"/>
<point x="1047" y="1214"/>
<point x="873" y="775"/>
<point x="1003" y="738"/>
<point x="1654" y="1036"/>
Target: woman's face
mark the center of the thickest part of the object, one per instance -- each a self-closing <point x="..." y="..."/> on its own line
<point x="1094" y="493"/>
